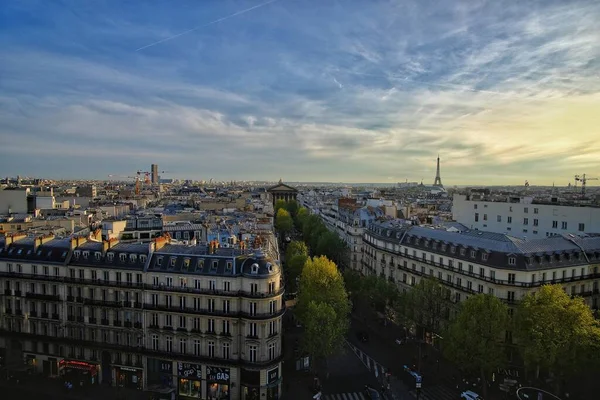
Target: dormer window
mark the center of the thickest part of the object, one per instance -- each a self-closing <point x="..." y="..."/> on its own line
<point x="86" y="254"/>
<point x="98" y="255"/>
<point x="159" y="260"/>
<point x="19" y="251"/>
<point x="254" y="268"/>
<point x="76" y="254"/>
<point x="270" y="267"/>
<point x="110" y="256"/>
<point x="200" y="264"/>
<point x="484" y="256"/>
<point x="229" y="265"/>
<point x="123" y="257"/>
<point x="473" y="253"/>
<point x="173" y="261"/>
<point x="186" y="263"/>
<point x="512" y="261"/>
<point x="132" y="258"/>
<point x="443" y="247"/>
<point x="452" y="249"/>
<point x="143" y="258"/>
<point x="214" y="265"/>
<point x="39" y="252"/>
<point x="462" y="252"/>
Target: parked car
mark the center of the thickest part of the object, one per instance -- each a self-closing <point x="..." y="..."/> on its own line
<point x="362" y="336"/>
<point x="470" y="395"/>
<point x="372" y="393"/>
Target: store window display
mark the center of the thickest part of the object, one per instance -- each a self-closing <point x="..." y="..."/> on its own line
<point x="217" y="383"/>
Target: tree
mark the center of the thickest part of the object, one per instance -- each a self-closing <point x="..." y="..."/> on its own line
<point x="283" y="222"/>
<point x="555" y="332"/>
<point x="279" y="204"/>
<point x="322" y="284"/>
<point x="301" y="216"/>
<point x="294" y="267"/>
<point x="296" y="247"/>
<point x="428" y="304"/>
<point x="292" y="207"/>
<point x="475" y="338"/>
<point x="323" y="330"/>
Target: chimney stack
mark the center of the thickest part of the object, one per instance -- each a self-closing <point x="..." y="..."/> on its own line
<point x="40" y="240"/>
<point x="109" y="244"/>
<point x="77" y="241"/>
<point x="159" y="242"/>
<point x="11" y="238"/>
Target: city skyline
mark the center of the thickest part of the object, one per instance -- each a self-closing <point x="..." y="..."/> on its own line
<point x="337" y="92"/>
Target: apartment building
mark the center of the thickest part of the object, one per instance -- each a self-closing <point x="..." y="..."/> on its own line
<point x="524" y="216"/>
<point x="472" y="262"/>
<point x="198" y="321"/>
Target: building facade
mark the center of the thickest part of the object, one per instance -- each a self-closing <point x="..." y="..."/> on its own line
<point x="152" y="316"/>
<point x="281" y="191"/>
<point x="524" y="217"/>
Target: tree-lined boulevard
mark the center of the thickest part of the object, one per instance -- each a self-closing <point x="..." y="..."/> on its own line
<point x="554" y="336"/>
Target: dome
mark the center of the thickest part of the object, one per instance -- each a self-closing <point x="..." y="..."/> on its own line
<point x="258" y="264"/>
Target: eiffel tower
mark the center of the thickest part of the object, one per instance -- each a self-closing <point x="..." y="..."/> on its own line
<point x="438" y="179"/>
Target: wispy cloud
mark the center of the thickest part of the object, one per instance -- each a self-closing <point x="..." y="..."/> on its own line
<point x="334" y="91"/>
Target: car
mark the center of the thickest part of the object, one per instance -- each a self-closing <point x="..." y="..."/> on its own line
<point x="372" y="393"/>
<point x="470" y="395"/>
<point x="362" y="336"/>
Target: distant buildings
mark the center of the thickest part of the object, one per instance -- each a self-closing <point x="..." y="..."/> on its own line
<point x="154" y="171"/>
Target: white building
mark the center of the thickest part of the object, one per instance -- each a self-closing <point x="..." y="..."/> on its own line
<point x="204" y="323"/>
<point x="524" y="217"/>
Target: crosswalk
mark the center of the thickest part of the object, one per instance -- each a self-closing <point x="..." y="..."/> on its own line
<point x="372" y="365"/>
<point x="435" y="393"/>
<point x="344" y="396"/>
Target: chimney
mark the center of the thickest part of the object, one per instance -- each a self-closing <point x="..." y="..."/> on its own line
<point x="159" y="242"/>
<point x="109" y="244"/>
<point x="11" y="238"/>
<point x="77" y="241"/>
<point x="40" y="240"/>
<point x="96" y="235"/>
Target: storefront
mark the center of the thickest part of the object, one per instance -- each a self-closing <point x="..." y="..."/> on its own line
<point x="159" y="372"/>
<point x="189" y="383"/>
<point x="217" y="383"/>
<point x="250" y="381"/>
<point x="129" y="377"/>
<point x="79" y="373"/>
<point x="273" y="381"/>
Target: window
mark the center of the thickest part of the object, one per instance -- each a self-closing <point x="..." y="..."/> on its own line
<point x="476" y="217"/>
<point x="227" y="286"/>
<point x="491" y="291"/>
<point x="271" y="287"/>
<point x="197" y="347"/>
<point x="511" y="295"/>
<point x="271" y="351"/>
<point x="581" y="227"/>
<point x="169" y="347"/>
<point x="499" y="218"/>
<point x="211" y="349"/>
<point x="554" y="224"/>
<point x="509" y="220"/>
<point x="182" y="345"/>
<point x="563" y="225"/>
<point x="211" y="325"/>
<point x="272" y="328"/>
<point x="253" y="352"/>
<point x="481" y="272"/>
<point x="525" y="221"/>
<point x="212" y="284"/>
<point x="473" y="253"/>
<point x="168" y="320"/>
<point x="155" y="319"/>
<point x="475" y="206"/>
<point x="484" y="256"/>
<point x="458" y="282"/>
<point x="225" y="328"/>
<point x="226" y="306"/>
<point x="173" y="261"/>
<point x="460" y="266"/>
<point x="253" y="307"/>
<point x="226" y="351"/>
<point x="536" y="210"/>
<point x="182" y="322"/>
<point x="214" y="265"/>
<point x="480" y="288"/>
<point x="196" y="324"/>
<point x="469" y="285"/>
<point x="511" y="278"/>
<point x="272" y="307"/>
<point x="485" y="217"/>
<point x="512" y="261"/>
<point x="526" y="210"/>
<point x="182" y="302"/>
<point x="252" y="331"/>
<point x="154" y="342"/>
<point x="211" y="305"/>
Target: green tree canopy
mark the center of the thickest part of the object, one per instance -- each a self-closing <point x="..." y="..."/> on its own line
<point x="301" y="216"/>
<point x="324" y="331"/>
<point x="283" y="222"/>
<point x="555" y="331"/>
<point x="322" y="289"/>
<point x="428" y="304"/>
<point x="296" y="247"/>
<point x="294" y="267"/>
<point x="279" y="204"/>
<point x="292" y="207"/>
<point x="474" y="339"/>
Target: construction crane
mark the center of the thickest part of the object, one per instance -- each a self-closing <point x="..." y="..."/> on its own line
<point x="137" y="181"/>
<point x="583" y="179"/>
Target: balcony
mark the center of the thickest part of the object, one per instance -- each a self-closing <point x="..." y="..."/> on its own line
<point x="45" y="297"/>
<point x="80" y="319"/>
<point x="71" y="318"/>
<point x="93" y="320"/>
<point x="55" y="316"/>
<point x="44" y="315"/>
<point x="104" y="322"/>
<point x="137" y="325"/>
<point x="214" y="292"/>
<point x="191" y="310"/>
<point x="7" y="292"/>
<point x="269" y="315"/>
<point x="70" y="298"/>
<point x="128" y="324"/>
<point x="33" y="313"/>
<point x="18" y="311"/>
<point x="103" y="303"/>
<point x="117" y="323"/>
<point x="17" y="293"/>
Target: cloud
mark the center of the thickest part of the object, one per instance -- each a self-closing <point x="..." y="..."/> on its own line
<point x="337" y="91"/>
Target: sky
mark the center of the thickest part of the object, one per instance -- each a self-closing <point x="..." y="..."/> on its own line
<point x="303" y="90"/>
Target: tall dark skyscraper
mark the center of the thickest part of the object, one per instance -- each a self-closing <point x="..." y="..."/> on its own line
<point x="154" y="170"/>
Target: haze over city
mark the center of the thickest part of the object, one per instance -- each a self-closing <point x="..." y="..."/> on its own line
<point x="351" y="91"/>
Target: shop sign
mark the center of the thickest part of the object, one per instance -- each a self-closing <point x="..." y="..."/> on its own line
<point x="128" y="369"/>
<point x="190" y="371"/>
<point x="166" y="367"/>
<point x="513" y="373"/>
<point x="217" y="374"/>
<point x="273" y="375"/>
